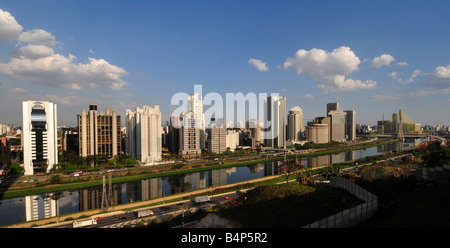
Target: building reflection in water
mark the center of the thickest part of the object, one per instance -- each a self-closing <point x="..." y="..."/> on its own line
<point x="38" y="207"/>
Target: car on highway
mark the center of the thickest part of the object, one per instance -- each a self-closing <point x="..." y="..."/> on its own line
<point x="76" y="174"/>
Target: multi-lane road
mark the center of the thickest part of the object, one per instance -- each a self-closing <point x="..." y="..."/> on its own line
<point x="129" y="218"/>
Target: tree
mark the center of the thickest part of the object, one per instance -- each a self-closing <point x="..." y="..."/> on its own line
<point x="4" y="160"/>
<point x="289" y="167"/>
<point x="305" y="177"/>
<point x="16" y="170"/>
<point x="435" y="155"/>
<point x="330" y="171"/>
<point x="55" y="179"/>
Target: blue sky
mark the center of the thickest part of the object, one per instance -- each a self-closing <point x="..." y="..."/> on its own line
<point x="373" y="57"/>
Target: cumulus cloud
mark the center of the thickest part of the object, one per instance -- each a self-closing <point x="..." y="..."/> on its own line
<point x="35" y="61"/>
<point x="9" y="28"/>
<point x="441" y="72"/>
<point x="33" y="51"/>
<point x="384" y="59"/>
<point x="404" y="81"/>
<point x="329" y="68"/>
<point x="258" y="64"/>
<point x="58" y="71"/>
<point x="436" y="83"/>
<point x="37" y="37"/>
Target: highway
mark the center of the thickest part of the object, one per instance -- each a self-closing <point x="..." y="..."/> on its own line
<point x="129" y="218"/>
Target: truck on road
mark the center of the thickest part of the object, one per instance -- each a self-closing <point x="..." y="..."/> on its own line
<point x="200" y="199"/>
<point x="144" y="213"/>
<point x="84" y="223"/>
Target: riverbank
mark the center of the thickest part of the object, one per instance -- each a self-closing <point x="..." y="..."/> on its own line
<point x="215" y="190"/>
<point x="97" y="180"/>
<point x="120" y="209"/>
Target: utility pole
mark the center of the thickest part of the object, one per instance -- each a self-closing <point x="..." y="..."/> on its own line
<point x="400" y="126"/>
<point x="110" y="194"/>
<point x="104" y="204"/>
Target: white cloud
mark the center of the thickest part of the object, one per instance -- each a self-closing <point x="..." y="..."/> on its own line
<point x="384" y="59"/>
<point x="35" y="61"/>
<point x="352" y="84"/>
<point x="9" y="28"/>
<point x="258" y="64"/>
<point x="92" y="52"/>
<point x="430" y="92"/>
<point x="330" y="68"/>
<point x="307" y="96"/>
<point x="37" y="37"/>
<point x="437" y="83"/>
<point x="33" y="51"/>
<point x="441" y="72"/>
<point x="403" y="81"/>
<point x="402" y="63"/>
<point x="58" y="71"/>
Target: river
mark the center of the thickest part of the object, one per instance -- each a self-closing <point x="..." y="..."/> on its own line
<point x="33" y="207"/>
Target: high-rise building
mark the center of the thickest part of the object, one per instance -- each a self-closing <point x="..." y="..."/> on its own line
<point x="337" y="127"/>
<point x="275" y="121"/>
<point x="99" y="134"/>
<point x="338" y="118"/>
<point x="217" y="137"/>
<point x="256" y="132"/>
<point x="295" y="123"/>
<point x="144" y="134"/>
<point x="39" y="136"/>
<point x="189" y="137"/>
<point x="232" y="140"/>
<point x="317" y="133"/>
<point x="173" y="139"/>
<point x="332" y="106"/>
<point x="324" y="120"/>
<point x="195" y="108"/>
<point x="350" y="124"/>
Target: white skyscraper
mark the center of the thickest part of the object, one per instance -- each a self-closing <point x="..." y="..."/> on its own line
<point x="295" y="123"/>
<point x="275" y="121"/>
<point x="144" y="134"/>
<point x="195" y="109"/>
<point x="39" y="138"/>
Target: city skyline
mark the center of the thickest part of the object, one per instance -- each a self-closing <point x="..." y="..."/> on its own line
<point x="374" y="58"/>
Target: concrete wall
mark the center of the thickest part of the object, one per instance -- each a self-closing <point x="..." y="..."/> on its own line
<point x="433" y="173"/>
<point x="352" y="216"/>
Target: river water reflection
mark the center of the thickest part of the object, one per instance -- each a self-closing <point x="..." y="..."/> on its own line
<point x="20" y="209"/>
